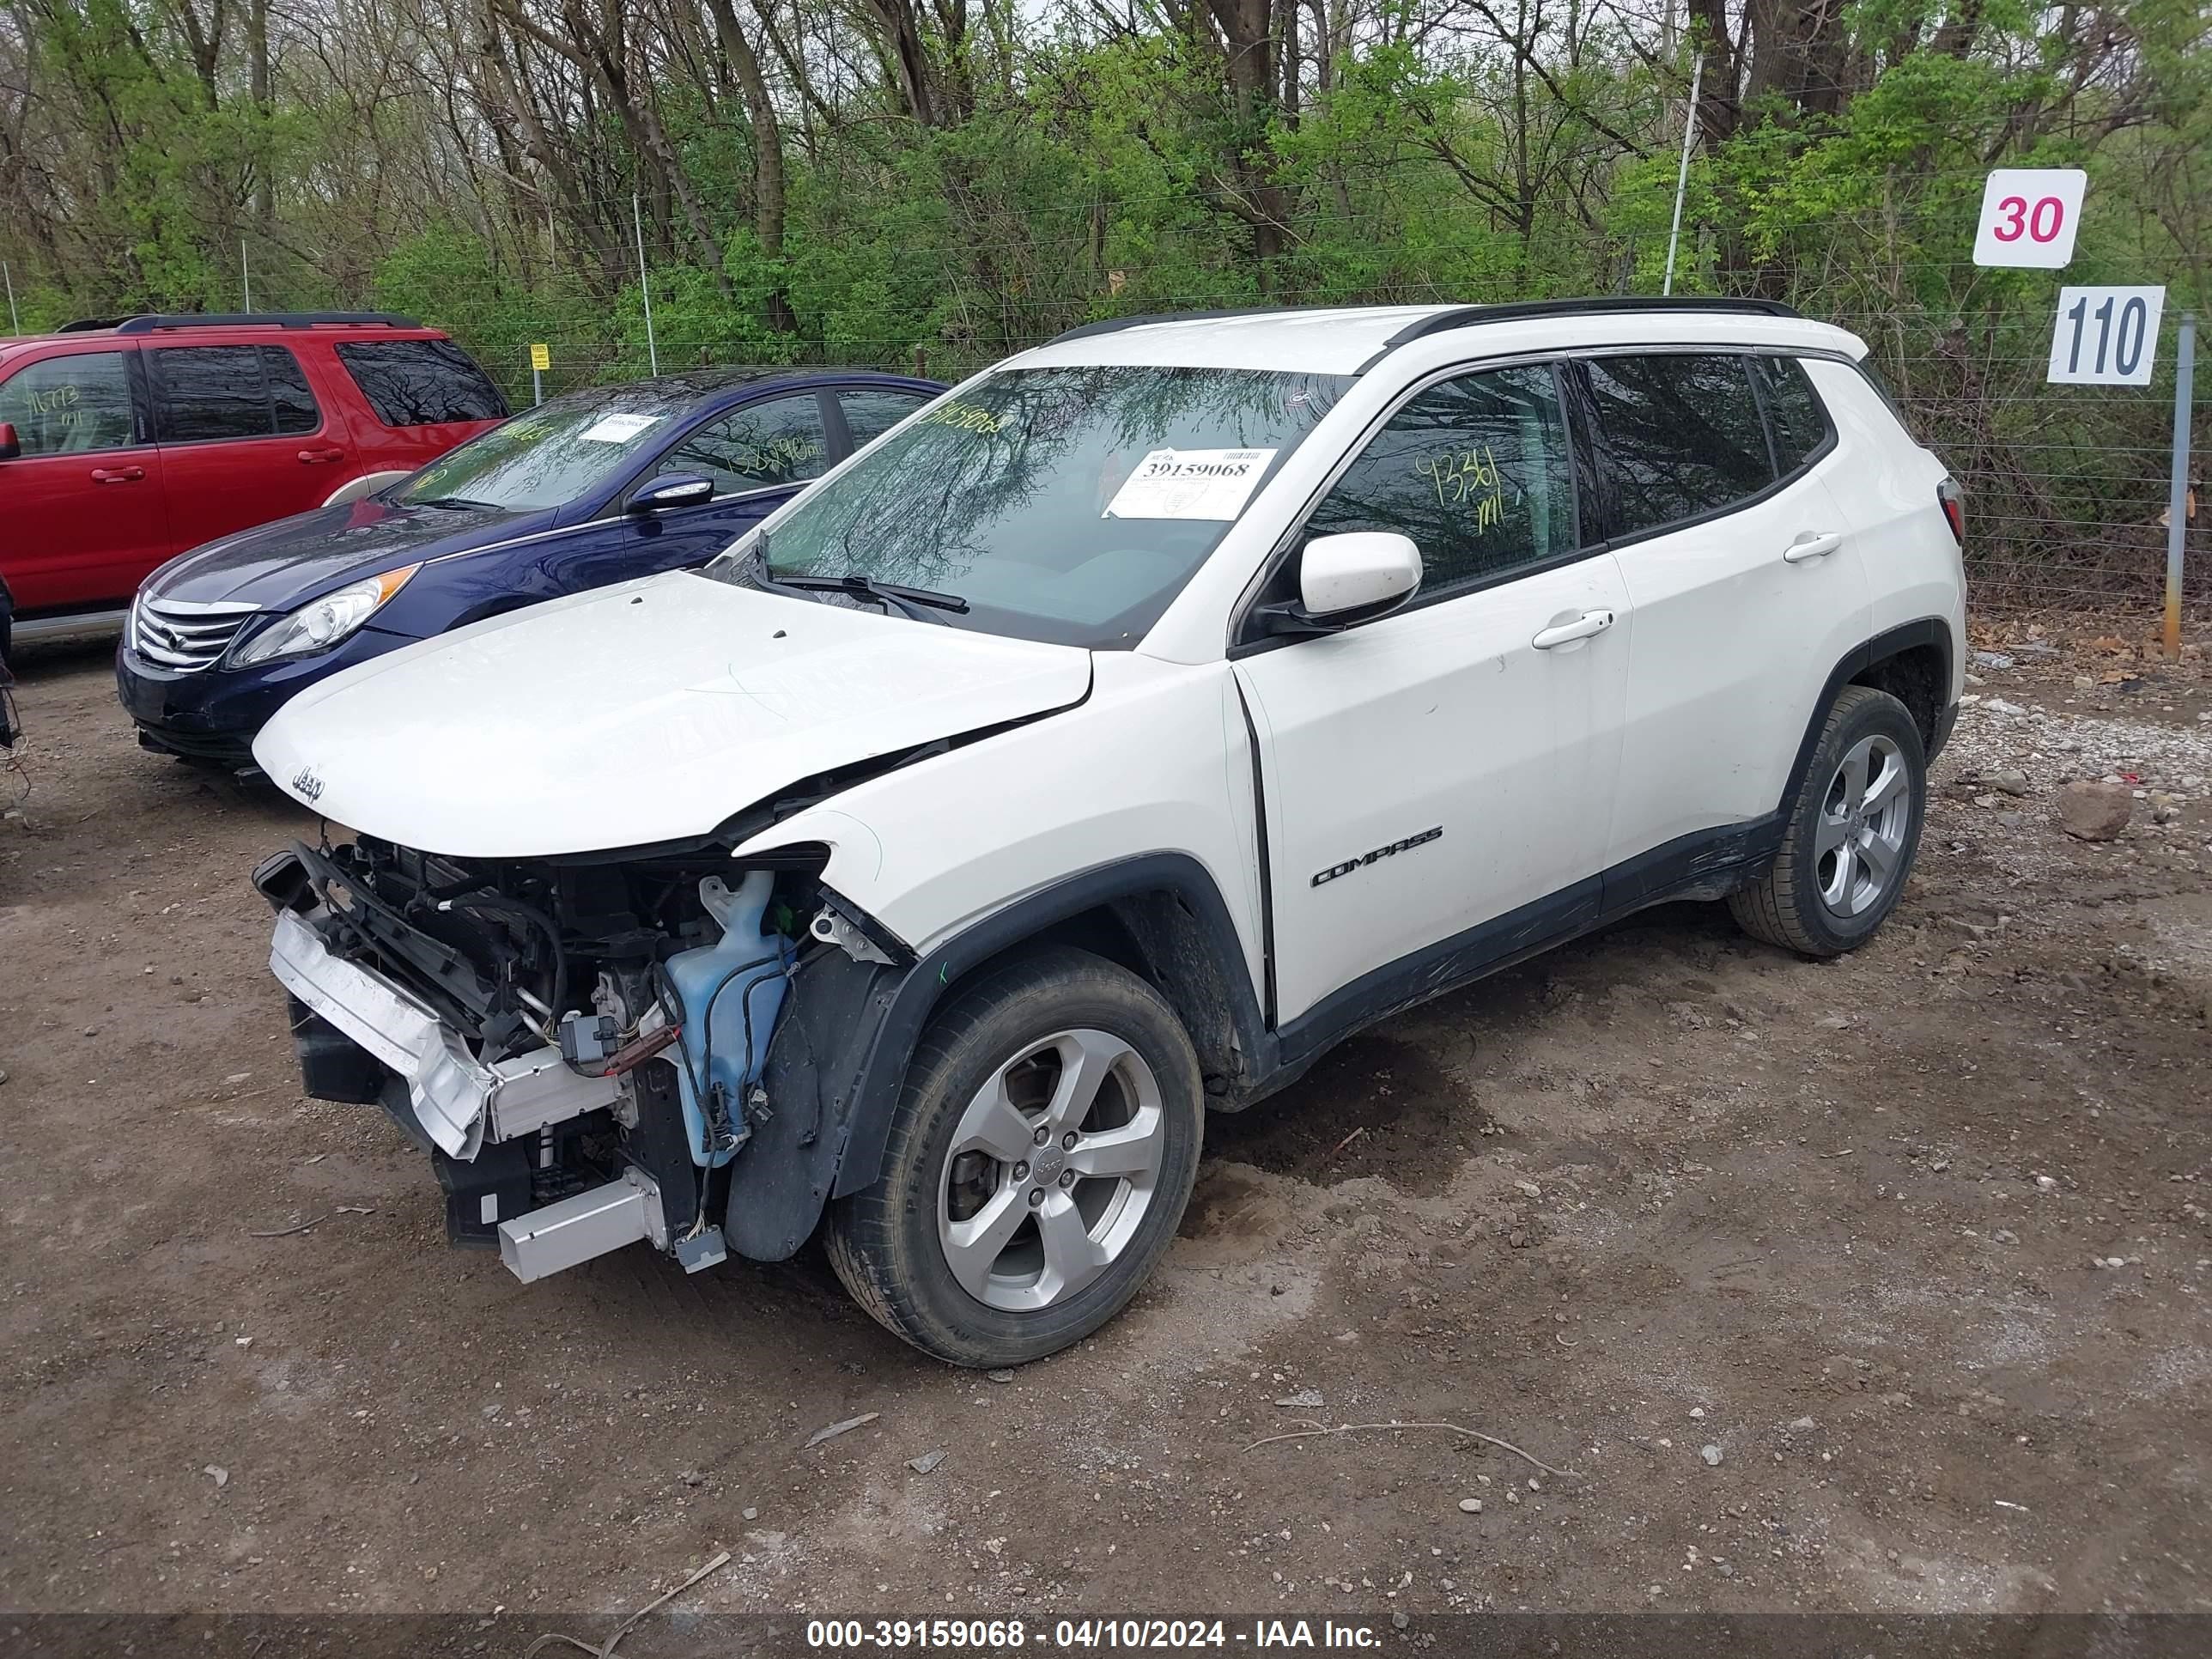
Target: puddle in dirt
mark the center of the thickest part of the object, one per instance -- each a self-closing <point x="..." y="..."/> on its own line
<point x="1373" y="1107"/>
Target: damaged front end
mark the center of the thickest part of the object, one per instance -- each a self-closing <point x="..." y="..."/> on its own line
<point x="590" y="1050"/>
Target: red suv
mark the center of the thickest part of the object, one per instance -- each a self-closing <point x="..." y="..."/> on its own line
<point x="125" y="441"/>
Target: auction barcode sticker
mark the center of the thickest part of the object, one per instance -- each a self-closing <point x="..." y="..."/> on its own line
<point x="1190" y="484"/>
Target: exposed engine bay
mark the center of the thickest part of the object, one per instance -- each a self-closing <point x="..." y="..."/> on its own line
<point x="582" y="1046"/>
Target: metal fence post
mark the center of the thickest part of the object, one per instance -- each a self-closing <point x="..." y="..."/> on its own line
<point x="537" y="380"/>
<point x="1682" y="176"/>
<point x="2177" y="506"/>
<point x="644" y="284"/>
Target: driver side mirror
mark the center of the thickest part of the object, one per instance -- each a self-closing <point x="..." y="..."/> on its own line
<point x="10" y="445"/>
<point x="672" y="490"/>
<point x="1348" y="579"/>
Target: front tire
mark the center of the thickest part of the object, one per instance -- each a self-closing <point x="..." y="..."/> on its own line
<point x="1853" y="830"/>
<point x="1045" y="1145"/>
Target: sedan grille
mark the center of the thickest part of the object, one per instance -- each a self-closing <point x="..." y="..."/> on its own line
<point x="181" y="635"/>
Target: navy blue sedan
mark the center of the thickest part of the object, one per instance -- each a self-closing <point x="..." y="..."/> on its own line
<point x="595" y="487"/>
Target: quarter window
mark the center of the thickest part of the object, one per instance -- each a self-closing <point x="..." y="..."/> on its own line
<point x="1476" y="471"/>
<point x="869" y="415"/>
<point x="781" y="441"/>
<point x="204" y="394"/>
<point x="1683" y="436"/>
<point x="1793" y="417"/>
<point x="70" y="406"/>
<point x="421" y="382"/>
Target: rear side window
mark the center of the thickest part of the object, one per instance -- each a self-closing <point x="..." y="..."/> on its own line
<point x="1475" y="470"/>
<point x="205" y="394"/>
<point x="70" y="406"/>
<point x="869" y="415"/>
<point x="781" y="441"/>
<point x="1682" y="434"/>
<point x="421" y="382"/>
<point x="1795" y="418"/>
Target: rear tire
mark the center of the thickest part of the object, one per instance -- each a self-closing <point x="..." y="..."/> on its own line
<point x="981" y="1244"/>
<point x="1853" y="830"/>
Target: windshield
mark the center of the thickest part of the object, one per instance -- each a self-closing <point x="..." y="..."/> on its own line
<point x="546" y="458"/>
<point x="1061" y="504"/>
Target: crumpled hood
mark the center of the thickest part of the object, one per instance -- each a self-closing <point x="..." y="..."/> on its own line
<point x="649" y="711"/>
<point x="281" y="565"/>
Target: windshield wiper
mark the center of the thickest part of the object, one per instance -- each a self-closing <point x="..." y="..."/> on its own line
<point x="915" y="602"/>
<point x="868" y="588"/>
<point x="451" y="501"/>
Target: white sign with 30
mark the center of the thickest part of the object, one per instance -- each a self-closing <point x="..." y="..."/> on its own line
<point x="2029" y="216"/>
<point x="2106" y="336"/>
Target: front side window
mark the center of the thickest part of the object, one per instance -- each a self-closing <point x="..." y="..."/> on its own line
<point x="1475" y="470"/>
<point x="70" y="406"/>
<point x="205" y="394"/>
<point x="547" y="456"/>
<point x="1062" y="504"/>
<point x="1682" y="434"/>
<point x="780" y="441"/>
<point x="870" y="414"/>
<point x="421" y="382"/>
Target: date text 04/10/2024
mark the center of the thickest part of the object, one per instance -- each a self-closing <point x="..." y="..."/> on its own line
<point x="1167" y="1634"/>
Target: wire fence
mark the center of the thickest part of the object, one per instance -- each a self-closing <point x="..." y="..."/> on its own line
<point x="2066" y="486"/>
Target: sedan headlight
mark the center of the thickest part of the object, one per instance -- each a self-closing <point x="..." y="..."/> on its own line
<point x="324" y="623"/>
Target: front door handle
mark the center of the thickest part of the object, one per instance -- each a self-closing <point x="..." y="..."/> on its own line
<point x="1813" y="545"/>
<point x="117" y="474"/>
<point x="314" y="455"/>
<point x="1565" y="633"/>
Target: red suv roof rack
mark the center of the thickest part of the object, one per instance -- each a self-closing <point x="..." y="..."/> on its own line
<point x="148" y="324"/>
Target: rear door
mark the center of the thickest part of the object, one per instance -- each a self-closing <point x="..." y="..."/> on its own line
<point x="1746" y="585"/>
<point x="243" y="438"/>
<point x="82" y="521"/>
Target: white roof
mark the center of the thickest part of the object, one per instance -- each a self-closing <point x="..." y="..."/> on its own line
<point x="1341" y="340"/>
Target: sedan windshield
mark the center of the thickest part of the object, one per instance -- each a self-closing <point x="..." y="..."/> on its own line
<point x="545" y="458"/>
<point x="1061" y="504"/>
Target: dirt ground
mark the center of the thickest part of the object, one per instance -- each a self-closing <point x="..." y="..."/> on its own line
<point x="1874" y="1285"/>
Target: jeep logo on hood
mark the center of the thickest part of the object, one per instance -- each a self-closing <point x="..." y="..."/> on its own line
<point x="307" y="784"/>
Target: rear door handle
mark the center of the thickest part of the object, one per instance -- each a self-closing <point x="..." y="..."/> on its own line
<point x="117" y="474"/>
<point x="1590" y="623"/>
<point x="312" y="455"/>
<point x="1813" y="545"/>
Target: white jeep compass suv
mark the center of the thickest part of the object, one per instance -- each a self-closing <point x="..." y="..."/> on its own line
<point x="1095" y="749"/>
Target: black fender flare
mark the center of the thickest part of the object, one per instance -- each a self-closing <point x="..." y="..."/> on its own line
<point x="836" y="1066"/>
<point x="1927" y="630"/>
<point x="883" y="1074"/>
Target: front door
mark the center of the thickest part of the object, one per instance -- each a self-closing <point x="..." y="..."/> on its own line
<point x="759" y="456"/>
<point x="81" y="513"/>
<point x="1439" y="782"/>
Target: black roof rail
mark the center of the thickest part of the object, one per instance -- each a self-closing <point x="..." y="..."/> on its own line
<point x="1457" y="316"/>
<point x="148" y="324"/>
<point x="1514" y="311"/>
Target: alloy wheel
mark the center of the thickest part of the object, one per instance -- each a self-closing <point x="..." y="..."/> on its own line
<point x="1865" y="816"/>
<point x="1050" y="1170"/>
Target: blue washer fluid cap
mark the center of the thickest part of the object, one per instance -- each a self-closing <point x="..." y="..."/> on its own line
<point x="731" y="993"/>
